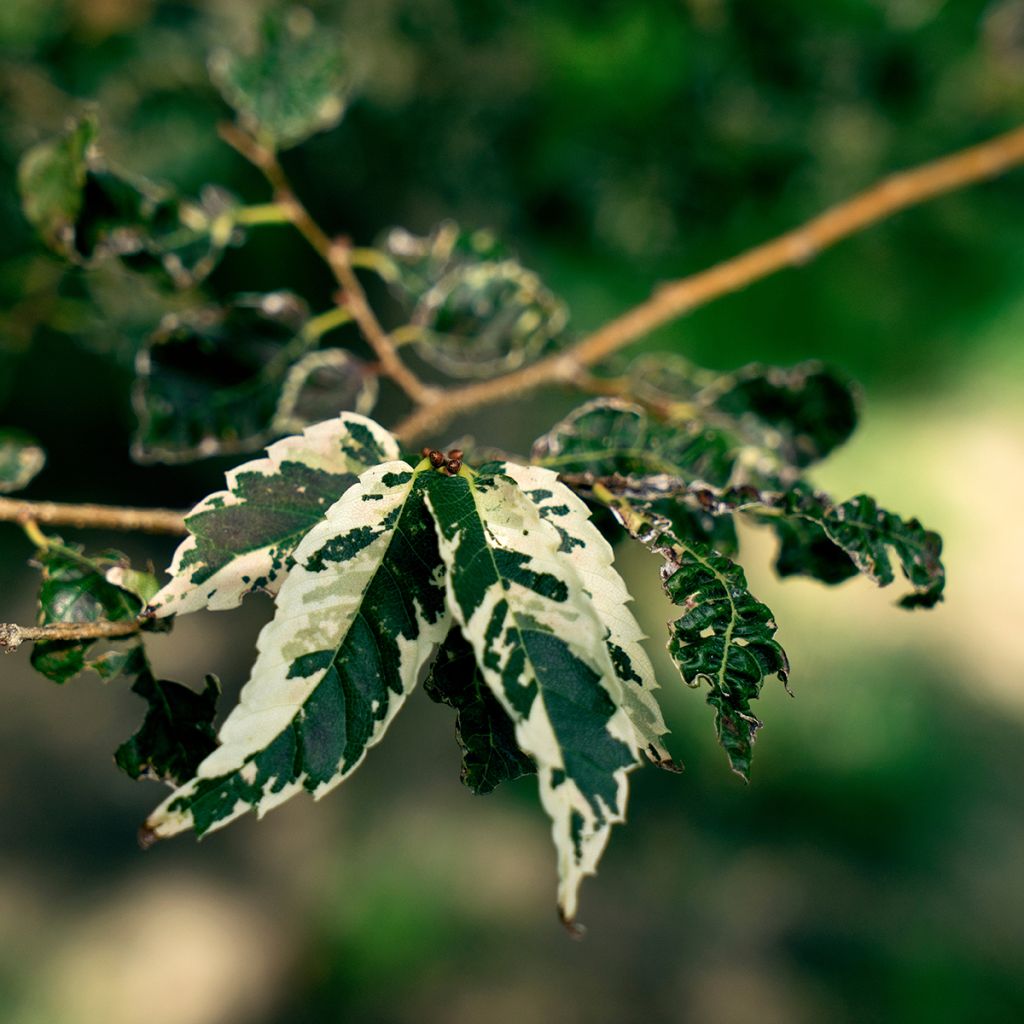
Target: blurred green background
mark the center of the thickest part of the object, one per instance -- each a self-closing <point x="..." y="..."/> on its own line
<point x="872" y="869"/>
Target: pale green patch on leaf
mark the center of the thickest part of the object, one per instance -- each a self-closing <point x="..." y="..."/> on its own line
<point x="75" y="589"/>
<point x="486" y="734"/>
<point x="21" y="459"/>
<point x="321" y="385"/>
<point x="357" y="619"/>
<point x="290" y="85"/>
<point x="243" y="538"/>
<point x="724" y="638"/>
<point x="541" y="647"/>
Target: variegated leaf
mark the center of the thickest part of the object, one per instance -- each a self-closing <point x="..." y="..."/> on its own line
<point x="357" y="619"/>
<point x="242" y="538"/>
<point x="581" y="544"/>
<point x="725" y="636"/>
<point x="609" y="437"/>
<point x="541" y="647"/>
<point x="832" y="541"/>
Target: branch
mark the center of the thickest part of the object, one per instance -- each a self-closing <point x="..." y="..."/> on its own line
<point x="13" y="636"/>
<point x="337" y="255"/>
<point x="674" y="299"/>
<point x="104" y="517"/>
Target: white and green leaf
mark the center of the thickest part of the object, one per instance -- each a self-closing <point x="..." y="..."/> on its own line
<point x="242" y="538"/>
<point x="358" y="617"/>
<point x="581" y="544"/>
<point x="540" y="644"/>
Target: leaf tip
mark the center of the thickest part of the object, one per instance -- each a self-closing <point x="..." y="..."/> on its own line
<point x="147" y="836"/>
<point x="576" y="931"/>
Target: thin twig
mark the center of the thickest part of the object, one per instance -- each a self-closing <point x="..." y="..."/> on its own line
<point x="672" y="300"/>
<point x="337" y="255"/>
<point x="103" y="517"/>
<point x="13" y="636"/>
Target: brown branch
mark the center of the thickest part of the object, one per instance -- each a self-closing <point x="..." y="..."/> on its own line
<point x="13" y="636"/>
<point x="337" y="256"/>
<point x="672" y="300"/>
<point x="103" y="517"/>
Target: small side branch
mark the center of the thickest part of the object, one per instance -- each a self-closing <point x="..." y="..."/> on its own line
<point x="13" y="636"/>
<point x="337" y="255"/>
<point x="102" y="517"/>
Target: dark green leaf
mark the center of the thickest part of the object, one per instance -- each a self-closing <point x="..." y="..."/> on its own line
<point x="177" y="732"/>
<point x="809" y="409"/>
<point x="860" y="532"/>
<point x="208" y="381"/>
<point x="724" y="638"/>
<point x="805" y="550"/>
<point x="21" y="459"/>
<point x="490" y="754"/>
<point x="75" y="589"/>
<point x="288" y="86"/>
<point x="609" y="437"/>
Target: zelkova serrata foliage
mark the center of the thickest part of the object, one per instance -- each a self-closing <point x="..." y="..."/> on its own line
<point x="482" y="574"/>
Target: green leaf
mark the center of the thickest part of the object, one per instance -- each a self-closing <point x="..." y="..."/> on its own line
<point x="490" y="754"/>
<point x="867" y="533"/>
<point x="322" y="384"/>
<point x="479" y="312"/>
<point x="51" y="178"/>
<point x="540" y="645"/>
<point x="807" y="410"/>
<point x="290" y="85"/>
<point x="208" y="381"/>
<point x="725" y="637"/>
<point x="860" y="534"/>
<point x="21" y="459"/>
<point x="757" y="426"/>
<point x="806" y="550"/>
<point x="483" y="319"/>
<point x="357" y="618"/>
<point x="581" y="544"/>
<point x="177" y="732"/>
<point x="242" y="539"/>
<point x="89" y="213"/>
<point x="609" y="437"/>
<point x="75" y="589"/>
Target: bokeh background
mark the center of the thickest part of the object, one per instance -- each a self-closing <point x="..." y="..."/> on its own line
<point x="871" y="871"/>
